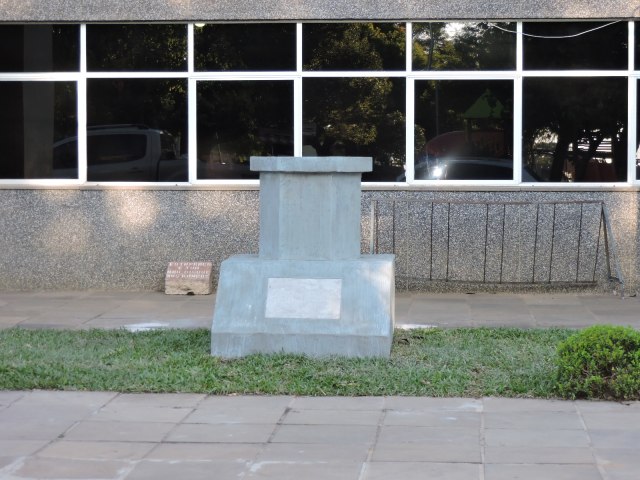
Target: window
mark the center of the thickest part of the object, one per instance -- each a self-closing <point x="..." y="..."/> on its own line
<point x="476" y="102"/>
<point x="238" y="119"/>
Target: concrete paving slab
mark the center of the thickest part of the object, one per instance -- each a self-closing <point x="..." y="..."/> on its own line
<point x="173" y="400"/>
<point x="19" y="448"/>
<point x="232" y="452"/>
<point x="429" y="435"/>
<point x="198" y="470"/>
<point x="310" y="453"/>
<point x="277" y="402"/>
<point x="96" y="450"/>
<point x="308" y="471"/>
<point x="428" y="404"/>
<point x="140" y="413"/>
<point x="433" y="419"/>
<point x="225" y="433"/>
<point x="537" y="472"/>
<point x="467" y="452"/>
<point x="120" y="431"/>
<point x="34" y="430"/>
<point x="496" y="404"/>
<point x="338" y="403"/>
<point x="535" y="438"/>
<point x="539" y="454"/>
<point x="615" y="438"/>
<point x="53" y="468"/>
<point x="332" y="417"/>
<point x="7" y="397"/>
<point x="533" y="420"/>
<point x="421" y="471"/>
<point x="258" y="415"/>
<point x="606" y="421"/>
<point x="325" y="434"/>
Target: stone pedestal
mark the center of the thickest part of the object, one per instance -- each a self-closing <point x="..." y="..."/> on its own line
<point x="309" y="290"/>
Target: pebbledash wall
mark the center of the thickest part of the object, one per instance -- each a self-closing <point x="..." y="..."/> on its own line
<point x="74" y="230"/>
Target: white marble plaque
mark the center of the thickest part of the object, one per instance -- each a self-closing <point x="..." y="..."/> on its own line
<point x="184" y="278"/>
<point x="317" y="298"/>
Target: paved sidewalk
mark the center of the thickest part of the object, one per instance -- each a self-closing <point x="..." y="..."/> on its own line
<point x="143" y="310"/>
<point x="88" y="435"/>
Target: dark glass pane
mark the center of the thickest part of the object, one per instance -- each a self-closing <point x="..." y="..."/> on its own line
<point x="574" y="129"/>
<point x="638" y="134"/>
<point x="240" y="119"/>
<point x="464" y="130"/>
<point x="136" y="47"/>
<point x="357" y="117"/>
<point x="248" y="47"/>
<point x="137" y="130"/>
<point x="38" y="128"/>
<point x="464" y="46"/>
<point x="605" y="48"/>
<point x="637" y="37"/>
<point x="39" y="48"/>
<point x="353" y="46"/>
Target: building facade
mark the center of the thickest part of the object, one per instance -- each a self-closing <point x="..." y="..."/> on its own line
<point x="504" y="135"/>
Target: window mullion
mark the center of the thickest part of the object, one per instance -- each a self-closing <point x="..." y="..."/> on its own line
<point x="82" y="107"/>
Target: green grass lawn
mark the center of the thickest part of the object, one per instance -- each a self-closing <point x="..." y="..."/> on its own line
<point x="456" y="362"/>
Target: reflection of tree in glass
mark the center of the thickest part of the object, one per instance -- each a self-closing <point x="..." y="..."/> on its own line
<point x="257" y="47"/>
<point x="354" y="46"/>
<point x="240" y="119"/>
<point x="463" y="46"/>
<point x="581" y="122"/>
<point x="136" y="47"/>
<point x="357" y="116"/>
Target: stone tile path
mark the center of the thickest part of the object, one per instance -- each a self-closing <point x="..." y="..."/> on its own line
<point x="143" y="310"/>
<point x="104" y="435"/>
<point x="89" y="435"/>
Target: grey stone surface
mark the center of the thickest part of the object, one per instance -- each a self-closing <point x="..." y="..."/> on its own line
<point x="364" y="328"/>
<point x="304" y="441"/>
<point x="123" y="239"/>
<point x="202" y="10"/>
<point x="310" y="207"/>
<point x="309" y="291"/>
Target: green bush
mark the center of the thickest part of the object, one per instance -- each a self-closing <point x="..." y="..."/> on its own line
<point x="602" y="361"/>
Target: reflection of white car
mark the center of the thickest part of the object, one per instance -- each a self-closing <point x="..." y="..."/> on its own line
<point x="471" y="168"/>
<point x="131" y="153"/>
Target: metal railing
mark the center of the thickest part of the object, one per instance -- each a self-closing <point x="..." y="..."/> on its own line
<point x="477" y="242"/>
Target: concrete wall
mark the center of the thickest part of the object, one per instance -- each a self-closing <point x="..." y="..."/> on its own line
<point x="123" y="239"/>
<point x="248" y="10"/>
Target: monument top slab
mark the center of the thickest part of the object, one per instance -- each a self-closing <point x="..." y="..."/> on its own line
<point x="312" y="164"/>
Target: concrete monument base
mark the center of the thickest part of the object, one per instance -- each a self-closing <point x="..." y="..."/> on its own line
<point x="316" y="308"/>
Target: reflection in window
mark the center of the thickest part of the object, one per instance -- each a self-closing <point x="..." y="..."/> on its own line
<point x="574" y="129"/>
<point x="637" y="49"/>
<point x="605" y="48"/>
<point x="137" y="130"/>
<point x="248" y="47"/>
<point x="35" y="118"/>
<point x="136" y="47"/>
<point x="239" y="119"/>
<point x="357" y="117"/>
<point x="638" y="133"/>
<point x="353" y="46"/>
<point x="463" y="46"/>
<point x="464" y="130"/>
<point x="39" y="48"/>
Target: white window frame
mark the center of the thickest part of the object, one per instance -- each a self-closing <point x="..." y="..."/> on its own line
<point x="296" y="76"/>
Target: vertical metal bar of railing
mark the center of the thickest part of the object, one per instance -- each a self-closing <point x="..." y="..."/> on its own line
<point x="504" y="214"/>
<point x="553" y="237"/>
<point x="579" y="242"/>
<point x="372" y="220"/>
<point x="595" y="262"/>
<point x="611" y="251"/>
<point x="431" y="244"/>
<point x="446" y="277"/>
<point x="535" y="245"/>
<point x="486" y="242"/>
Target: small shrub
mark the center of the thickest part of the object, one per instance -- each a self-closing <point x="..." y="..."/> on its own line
<point x="602" y="361"/>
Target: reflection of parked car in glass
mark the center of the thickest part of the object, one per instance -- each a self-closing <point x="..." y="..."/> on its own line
<point x="131" y="153"/>
<point x="469" y="168"/>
